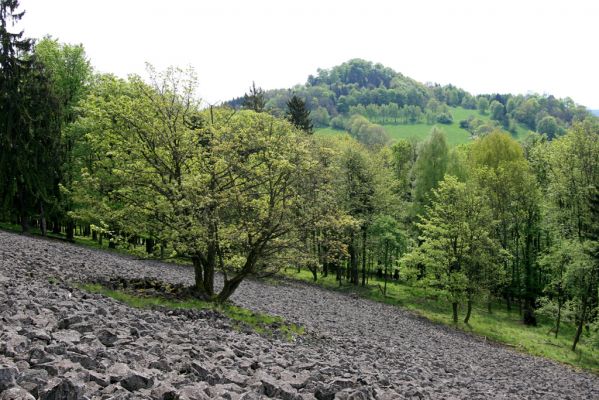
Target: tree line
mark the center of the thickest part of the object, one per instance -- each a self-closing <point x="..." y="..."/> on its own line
<point x="246" y="192"/>
<point x="385" y="96"/>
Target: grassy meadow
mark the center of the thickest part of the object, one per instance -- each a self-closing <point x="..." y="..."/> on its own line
<point x="455" y="135"/>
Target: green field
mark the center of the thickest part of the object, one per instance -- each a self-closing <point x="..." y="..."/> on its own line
<point x="455" y="134"/>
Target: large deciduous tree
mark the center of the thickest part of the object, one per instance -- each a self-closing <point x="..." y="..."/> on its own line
<point x="224" y="187"/>
<point x="69" y="71"/>
<point x="573" y="178"/>
<point x="459" y="256"/>
<point x="429" y="169"/>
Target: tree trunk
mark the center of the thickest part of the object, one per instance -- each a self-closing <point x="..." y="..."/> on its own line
<point x="149" y="245"/>
<point x="580" y="324"/>
<point x="198" y="274"/>
<point x="353" y="254"/>
<point x="559" y="317"/>
<point x="386" y="266"/>
<point x="468" y="311"/>
<point x="209" y="267"/>
<point x="70" y="231"/>
<point x="43" y="220"/>
<point x="24" y="218"/>
<point x="454" y="307"/>
<point x="56" y="227"/>
<point x="229" y="288"/>
<point x="364" y="237"/>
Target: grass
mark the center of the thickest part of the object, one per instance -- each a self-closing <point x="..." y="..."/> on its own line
<point x="263" y="324"/>
<point x="455" y="135"/>
<point x="499" y="326"/>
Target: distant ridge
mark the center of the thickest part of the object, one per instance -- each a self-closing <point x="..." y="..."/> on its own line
<point x="595" y="112"/>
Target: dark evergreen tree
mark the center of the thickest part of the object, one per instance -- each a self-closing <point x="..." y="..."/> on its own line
<point x="298" y="114"/>
<point x="255" y="100"/>
<point x="29" y="125"/>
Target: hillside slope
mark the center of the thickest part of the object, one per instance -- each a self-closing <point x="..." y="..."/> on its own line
<point x="56" y="339"/>
<point x="454" y="133"/>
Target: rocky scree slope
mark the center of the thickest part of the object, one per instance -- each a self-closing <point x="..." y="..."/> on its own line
<point x="57" y="342"/>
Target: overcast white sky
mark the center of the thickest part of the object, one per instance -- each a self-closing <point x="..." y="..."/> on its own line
<point x="515" y="46"/>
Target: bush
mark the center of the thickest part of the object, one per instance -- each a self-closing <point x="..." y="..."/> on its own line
<point x="338" y="122"/>
<point x="444" y="118"/>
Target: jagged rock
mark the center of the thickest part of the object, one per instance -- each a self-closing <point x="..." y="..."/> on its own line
<point x="68" y="322"/>
<point x="14" y="345"/>
<point x="226" y="391"/>
<point x="325" y="392"/>
<point x="297" y="380"/>
<point x="33" y="380"/>
<point x="206" y="372"/>
<point x="107" y="337"/>
<point x="16" y="393"/>
<point x="38" y="335"/>
<point x="340" y="383"/>
<point x="67" y="336"/>
<point x="251" y="396"/>
<point x="85" y="361"/>
<point x="161" y="365"/>
<point x="272" y="387"/>
<point x="136" y="380"/>
<point x="194" y="392"/>
<point x="82" y="327"/>
<point x="232" y="376"/>
<point x="100" y="379"/>
<point x="165" y="392"/>
<point x="353" y="349"/>
<point x="117" y="372"/>
<point x="62" y="389"/>
<point x="8" y="376"/>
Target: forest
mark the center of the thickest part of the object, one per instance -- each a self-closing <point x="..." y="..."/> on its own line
<point x="250" y="188"/>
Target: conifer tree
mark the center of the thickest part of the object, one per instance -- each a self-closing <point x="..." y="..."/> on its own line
<point x="255" y="99"/>
<point x="29" y="127"/>
<point x="298" y="114"/>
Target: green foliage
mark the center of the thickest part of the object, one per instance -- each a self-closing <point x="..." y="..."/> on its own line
<point x="207" y="181"/>
<point x="320" y="117"/>
<point x="29" y="124"/>
<point x="457" y="252"/>
<point x="70" y="74"/>
<point x="255" y="100"/>
<point x="483" y="105"/>
<point x="548" y="126"/>
<point x="444" y="118"/>
<point x="429" y="169"/>
<point x="366" y="132"/>
<point x="298" y="114"/>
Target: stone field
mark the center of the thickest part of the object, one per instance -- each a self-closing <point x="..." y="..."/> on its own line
<point x="58" y="342"/>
